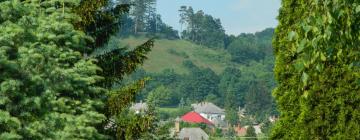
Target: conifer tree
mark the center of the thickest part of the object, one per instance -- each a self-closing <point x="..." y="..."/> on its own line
<point x="317" y="68"/>
<point x="101" y="21"/>
<point x="55" y="81"/>
<point x="47" y="89"/>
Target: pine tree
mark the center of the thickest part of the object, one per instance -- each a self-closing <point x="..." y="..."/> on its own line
<point x="316" y="46"/>
<point x="258" y="100"/>
<point x="101" y="21"/>
<point x="50" y="87"/>
<point x="47" y="89"/>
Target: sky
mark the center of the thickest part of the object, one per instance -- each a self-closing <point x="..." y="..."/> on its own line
<point x="237" y="16"/>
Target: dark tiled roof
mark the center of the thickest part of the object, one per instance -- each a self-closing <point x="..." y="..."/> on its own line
<point x="208" y="108"/>
<point x="193" y="134"/>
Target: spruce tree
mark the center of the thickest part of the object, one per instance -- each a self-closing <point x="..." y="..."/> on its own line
<point x="47" y="89"/>
<point x="317" y="68"/>
<point x="57" y="72"/>
<point x="101" y="20"/>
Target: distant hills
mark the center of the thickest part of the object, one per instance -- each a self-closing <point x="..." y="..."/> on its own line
<point x="170" y="54"/>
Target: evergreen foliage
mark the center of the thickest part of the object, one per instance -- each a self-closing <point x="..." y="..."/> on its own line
<point x="316" y="48"/>
<point x="201" y="28"/>
<point x="50" y="88"/>
<point x="250" y="47"/>
<point x="250" y="132"/>
<point x="143" y="20"/>
<point x="47" y="90"/>
<point x="258" y="101"/>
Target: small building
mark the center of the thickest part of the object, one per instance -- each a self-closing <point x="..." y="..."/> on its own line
<point x="193" y="134"/>
<point x="194" y="117"/>
<point x="139" y="107"/>
<point x="209" y="111"/>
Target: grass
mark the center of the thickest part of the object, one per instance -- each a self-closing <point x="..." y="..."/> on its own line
<point x="169" y="110"/>
<point x="170" y="54"/>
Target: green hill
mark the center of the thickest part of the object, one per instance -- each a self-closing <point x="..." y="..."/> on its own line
<point x="170" y="54"/>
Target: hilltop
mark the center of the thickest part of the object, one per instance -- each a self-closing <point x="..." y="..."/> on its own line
<point x="170" y="54"/>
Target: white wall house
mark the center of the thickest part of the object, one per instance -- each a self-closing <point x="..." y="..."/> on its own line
<point x="209" y="111"/>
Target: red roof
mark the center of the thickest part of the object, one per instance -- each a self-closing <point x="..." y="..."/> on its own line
<point x="193" y="117"/>
<point x="241" y="131"/>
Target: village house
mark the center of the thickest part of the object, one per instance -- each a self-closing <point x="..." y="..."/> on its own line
<point x="194" y="117"/>
<point x="191" y="133"/>
<point x="209" y="111"/>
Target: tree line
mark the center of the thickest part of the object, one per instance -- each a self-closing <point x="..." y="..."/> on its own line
<point x="143" y="19"/>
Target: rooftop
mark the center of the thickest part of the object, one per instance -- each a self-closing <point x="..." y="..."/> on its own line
<point x="193" y="134"/>
<point x="193" y="117"/>
<point x="207" y="108"/>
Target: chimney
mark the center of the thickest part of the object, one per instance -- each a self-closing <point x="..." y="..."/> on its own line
<point x="177" y="125"/>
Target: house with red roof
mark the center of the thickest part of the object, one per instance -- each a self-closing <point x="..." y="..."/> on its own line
<point x="194" y="117"/>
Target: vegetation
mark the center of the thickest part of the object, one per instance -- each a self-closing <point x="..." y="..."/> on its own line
<point x="47" y="89"/>
<point x="316" y="47"/>
<point x="201" y="28"/>
<point x="205" y="74"/>
<point x="250" y="132"/>
<point x="143" y="20"/>
<point x="68" y="70"/>
<point x="44" y="59"/>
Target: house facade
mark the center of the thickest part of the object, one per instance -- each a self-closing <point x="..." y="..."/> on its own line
<point x="209" y="111"/>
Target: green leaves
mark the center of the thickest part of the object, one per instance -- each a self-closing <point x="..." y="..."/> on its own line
<point x="301" y="46"/>
<point x="322" y="57"/>
<point x="357" y="10"/>
<point x="292" y="35"/>
<point x="305" y="78"/>
<point x="46" y="87"/>
<point x="323" y="77"/>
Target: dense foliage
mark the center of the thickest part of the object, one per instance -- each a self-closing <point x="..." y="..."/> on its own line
<point x="51" y="88"/>
<point x="144" y="20"/>
<point x="250" y="132"/>
<point x="202" y="28"/>
<point x="317" y="69"/>
<point x="47" y="90"/>
<point x="248" y="86"/>
<point x="249" y="47"/>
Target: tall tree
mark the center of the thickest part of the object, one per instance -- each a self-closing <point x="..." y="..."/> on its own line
<point x="142" y="11"/>
<point x="182" y="20"/>
<point x="47" y="89"/>
<point x="316" y="48"/>
<point x="258" y="100"/>
<point x="55" y="70"/>
<point x="202" y="29"/>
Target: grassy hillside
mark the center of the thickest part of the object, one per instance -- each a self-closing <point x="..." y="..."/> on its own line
<point x="171" y="54"/>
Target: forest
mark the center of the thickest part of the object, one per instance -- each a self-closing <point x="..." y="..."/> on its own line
<point x="77" y="69"/>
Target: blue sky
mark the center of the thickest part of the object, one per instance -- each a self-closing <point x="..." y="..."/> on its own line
<point x="237" y="16"/>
